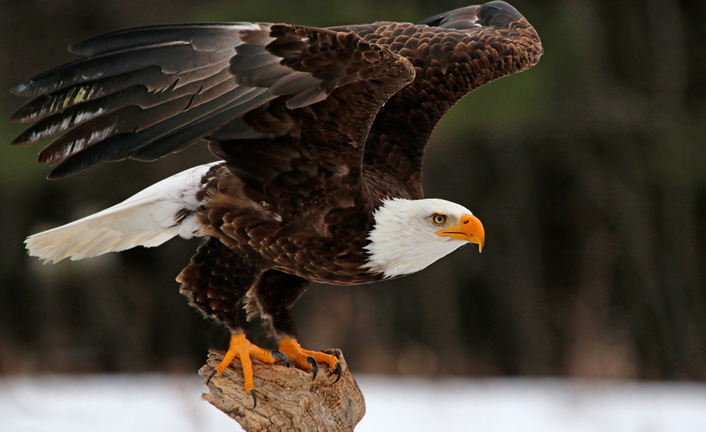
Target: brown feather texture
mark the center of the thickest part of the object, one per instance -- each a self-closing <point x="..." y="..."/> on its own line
<point x="320" y="134"/>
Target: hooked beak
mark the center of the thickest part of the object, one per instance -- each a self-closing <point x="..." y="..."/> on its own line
<point x="469" y="229"/>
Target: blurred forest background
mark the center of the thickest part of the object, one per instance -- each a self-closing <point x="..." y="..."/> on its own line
<point x="588" y="171"/>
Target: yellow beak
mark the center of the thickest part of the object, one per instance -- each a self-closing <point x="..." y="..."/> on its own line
<point x="469" y="229"/>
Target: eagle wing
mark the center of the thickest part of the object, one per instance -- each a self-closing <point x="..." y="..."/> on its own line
<point x="453" y="53"/>
<point x="147" y="92"/>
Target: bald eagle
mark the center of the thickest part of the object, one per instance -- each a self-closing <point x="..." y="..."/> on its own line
<point x="320" y="135"/>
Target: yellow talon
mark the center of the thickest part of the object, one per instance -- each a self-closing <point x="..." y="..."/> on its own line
<point x="242" y="348"/>
<point x="291" y="348"/>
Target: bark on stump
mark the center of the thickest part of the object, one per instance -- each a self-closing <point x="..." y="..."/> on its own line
<point x="287" y="398"/>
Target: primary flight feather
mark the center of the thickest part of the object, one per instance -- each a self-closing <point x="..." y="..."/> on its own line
<point x="320" y="135"/>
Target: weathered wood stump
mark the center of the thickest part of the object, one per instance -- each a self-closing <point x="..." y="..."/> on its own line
<point x="288" y="399"/>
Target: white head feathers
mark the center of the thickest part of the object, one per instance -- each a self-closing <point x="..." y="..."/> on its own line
<point x="409" y="235"/>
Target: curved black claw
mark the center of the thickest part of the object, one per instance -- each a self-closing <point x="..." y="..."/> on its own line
<point x="338" y="371"/>
<point x="314" y="365"/>
<point x="281" y="356"/>
<point x="215" y="371"/>
<point x="254" y="398"/>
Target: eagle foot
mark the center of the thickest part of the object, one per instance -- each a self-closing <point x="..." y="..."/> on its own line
<point x="309" y="360"/>
<point x="242" y="348"/>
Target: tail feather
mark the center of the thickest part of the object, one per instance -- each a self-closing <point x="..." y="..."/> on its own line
<point x="149" y="218"/>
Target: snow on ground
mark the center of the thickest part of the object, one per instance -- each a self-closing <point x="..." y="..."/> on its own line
<point x="135" y="403"/>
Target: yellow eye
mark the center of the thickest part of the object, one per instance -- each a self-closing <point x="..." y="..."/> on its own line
<point x="438" y="219"/>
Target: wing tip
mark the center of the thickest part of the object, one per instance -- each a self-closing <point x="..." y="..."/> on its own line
<point x="65" y="170"/>
<point x="20" y="140"/>
<point x="498" y="14"/>
<point x="18" y="116"/>
<point x="81" y="48"/>
<point x="26" y="88"/>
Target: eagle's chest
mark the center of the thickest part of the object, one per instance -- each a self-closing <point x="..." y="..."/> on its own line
<point x="329" y="249"/>
<point x="340" y="260"/>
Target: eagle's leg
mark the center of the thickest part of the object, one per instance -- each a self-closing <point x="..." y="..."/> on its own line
<point x="215" y="282"/>
<point x="272" y="298"/>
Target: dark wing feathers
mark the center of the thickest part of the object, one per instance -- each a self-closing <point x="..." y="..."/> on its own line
<point x="339" y="84"/>
<point x="203" y="37"/>
<point x="141" y="94"/>
<point x="170" y="57"/>
<point x="146" y="92"/>
<point x="123" y="93"/>
<point x="168" y="133"/>
<point x="189" y="134"/>
<point x="145" y="111"/>
<point x="73" y="112"/>
<point x="150" y="78"/>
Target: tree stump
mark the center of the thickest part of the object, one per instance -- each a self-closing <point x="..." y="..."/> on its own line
<point x="288" y="399"/>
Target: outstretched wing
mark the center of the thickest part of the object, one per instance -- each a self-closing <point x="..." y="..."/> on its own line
<point x="147" y="92"/>
<point x="453" y="53"/>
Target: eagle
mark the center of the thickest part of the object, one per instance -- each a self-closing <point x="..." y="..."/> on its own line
<point x="319" y="134"/>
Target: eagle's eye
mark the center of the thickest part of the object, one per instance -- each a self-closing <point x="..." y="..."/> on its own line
<point x="438" y="219"/>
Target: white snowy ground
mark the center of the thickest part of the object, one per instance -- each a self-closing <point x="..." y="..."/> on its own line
<point x="149" y="403"/>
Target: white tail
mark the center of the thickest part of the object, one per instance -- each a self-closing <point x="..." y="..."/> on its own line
<point x="149" y="218"/>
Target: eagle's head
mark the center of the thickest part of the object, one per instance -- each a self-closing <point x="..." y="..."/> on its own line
<point x="408" y="235"/>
